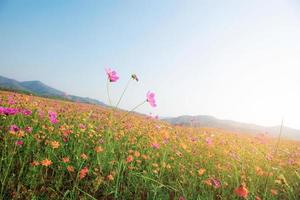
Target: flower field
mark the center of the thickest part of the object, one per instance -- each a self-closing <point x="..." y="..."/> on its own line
<point x="52" y="149"/>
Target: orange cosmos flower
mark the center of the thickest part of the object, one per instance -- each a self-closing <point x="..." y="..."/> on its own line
<point x="110" y="177"/>
<point x="257" y="198"/>
<point x="35" y="163"/>
<point x="66" y="159"/>
<point x="55" y="144"/>
<point x="241" y="191"/>
<point x="83" y="172"/>
<point x="274" y="192"/>
<point x="201" y="171"/>
<point x="70" y="168"/>
<point x="46" y="162"/>
<point x="129" y="159"/>
<point x="84" y="156"/>
<point x="137" y="154"/>
<point x="98" y="149"/>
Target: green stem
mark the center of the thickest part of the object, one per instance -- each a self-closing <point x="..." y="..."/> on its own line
<point x="107" y="88"/>
<point x="120" y="171"/>
<point x="275" y="153"/>
<point x="123" y="93"/>
<point x="87" y="194"/>
<point x="133" y="109"/>
<point x="7" y="171"/>
<point x="155" y="181"/>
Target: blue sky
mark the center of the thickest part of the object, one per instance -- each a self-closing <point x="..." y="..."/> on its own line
<point x="236" y="60"/>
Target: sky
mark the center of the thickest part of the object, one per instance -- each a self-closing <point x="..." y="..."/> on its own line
<point x="237" y="60"/>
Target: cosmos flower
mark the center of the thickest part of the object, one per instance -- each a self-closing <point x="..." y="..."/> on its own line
<point x="112" y="75"/>
<point x="110" y="177"/>
<point x="52" y="117"/>
<point x="98" y="149"/>
<point x="70" y="168"/>
<point x="28" y="129"/>
<point x="46" y="162"/>
<point x="129" y="159"/>
<point x="66" y="159"/>
<point x="155" y="145"/>
<point x="35" y="163"/>
<point x="215" y="182"/>
<point x="81" y="126"/>
<point x="208" y="141"/>
<point x="151" y="99"/>
<point x="201" y="171"/>
<point x="11" y="100"/>
<point x="241" y="191"/>
<point x="274" y="192"/>
<point x="83" y="172"/>
<point x="26" y="112"/>
<point x="8" y="111"/>
<point x="55" y="144"/>
<point x="84" y="156"/>
<point x="2" y="110"/>
<point x="11" y="111"/>
<point x="14" y="128"/>
<point x="19" y="143"/>
<point x="137" y="154"/>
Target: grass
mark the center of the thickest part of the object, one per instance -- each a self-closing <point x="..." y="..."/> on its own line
<point x="122" y="161"/>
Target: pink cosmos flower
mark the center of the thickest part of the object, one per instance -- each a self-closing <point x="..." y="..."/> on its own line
<point x="291" y="161"/>
<point x="81" y="126"/>
<point x="52" y="117"/>
<point x="19" y="143"/>
<point x="14" y="128"/>
<point x="65" y="139"/>
<point x="215" y="183"/>
<point x="112" y="75"/>
<point x="2" y="110"/>
<point x="26" y="112"/>
<point x="269" y="156"/>
<point x="8" y="111"/>
<point x="208" y="140"/>
<point x="153" y="116"/>
<point x="155" y="146"/>
<point x="28" y="129"/>
<point x="151" y="99"/>
<point x="11" y="100"/>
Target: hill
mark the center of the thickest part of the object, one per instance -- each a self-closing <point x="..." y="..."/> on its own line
<point x="41" y="89"/>
<point x="229" y="125"/>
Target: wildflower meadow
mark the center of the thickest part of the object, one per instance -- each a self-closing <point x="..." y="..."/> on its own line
<point x="55" y="149"/>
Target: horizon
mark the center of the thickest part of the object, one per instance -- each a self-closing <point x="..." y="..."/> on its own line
<point x="166" y="117"/>
<point x="235" y="60"/>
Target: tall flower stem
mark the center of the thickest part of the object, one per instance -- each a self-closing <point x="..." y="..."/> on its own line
<point x="274" y="156"/>
<point x="107" y="88"/>
<point x="133" y="109"/>
<point x="123" y="93"/>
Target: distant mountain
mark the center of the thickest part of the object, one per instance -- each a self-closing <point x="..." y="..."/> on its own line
<point x="11" y="84"/>
<point x="212" y="122"/>
<point x="41" y="89"/>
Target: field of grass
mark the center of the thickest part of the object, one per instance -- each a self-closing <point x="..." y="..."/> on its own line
<point x="52" y="149"/>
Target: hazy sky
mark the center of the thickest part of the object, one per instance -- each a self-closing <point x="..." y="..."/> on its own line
<point x="237" y="60"/>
